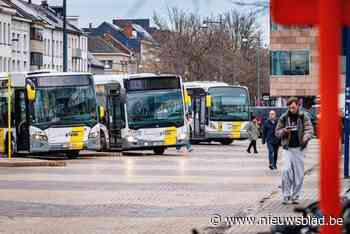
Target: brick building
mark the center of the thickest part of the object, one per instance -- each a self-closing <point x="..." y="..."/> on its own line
<point x="294" y="63"/>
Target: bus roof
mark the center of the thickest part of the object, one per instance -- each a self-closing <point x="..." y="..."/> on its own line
<point x="208" y="84"/>
<point x="46" y="74"/>
<point x="18" y="78"/>
<point x="119" y="78"/>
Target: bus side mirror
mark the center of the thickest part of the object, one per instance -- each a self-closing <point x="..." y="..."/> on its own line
<point x="187" y="98"/>
<point x="31" y="92"/>
<point x="101" y="113"/>
<point x="208" y="101"/>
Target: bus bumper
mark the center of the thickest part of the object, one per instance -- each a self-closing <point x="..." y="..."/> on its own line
<point x="148" y="145"/>
<point x="42" y="147"/>
<point x="227" y="135"/>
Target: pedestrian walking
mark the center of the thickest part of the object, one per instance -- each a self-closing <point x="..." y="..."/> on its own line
<point x="295" y="129"/>
<point x="272" y="142"/>
<point x="253" y="133"/>
<point x="188" y="142"/>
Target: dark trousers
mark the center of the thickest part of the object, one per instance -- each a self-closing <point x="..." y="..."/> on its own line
<point x="273" y="154"/>
<point x="252" y="144"/>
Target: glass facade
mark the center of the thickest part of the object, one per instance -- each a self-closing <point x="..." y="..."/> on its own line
<point x="289" y="63"/>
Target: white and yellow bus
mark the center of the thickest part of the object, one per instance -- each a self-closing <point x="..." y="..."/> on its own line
<point x="220" y="111"/>
<point x="144" y="111"/>
<point x="50" y="112"/>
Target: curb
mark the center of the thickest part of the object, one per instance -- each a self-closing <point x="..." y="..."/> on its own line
<point x="36" y="163"/>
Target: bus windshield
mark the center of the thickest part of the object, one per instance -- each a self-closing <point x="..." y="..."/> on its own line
<point x="3" y="108"/>
<point x="229" y="104"/>
<point x="68" y="105"/>
<point x="147" y="109"/>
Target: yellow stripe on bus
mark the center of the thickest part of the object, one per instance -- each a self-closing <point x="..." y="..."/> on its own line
<point x="77" y="138"/>
<point x="236" y="130"/>
<point x="170" y="136"/>
<point x="2" y="140"/>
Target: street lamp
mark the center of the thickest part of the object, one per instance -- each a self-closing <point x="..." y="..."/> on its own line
<point x="258" y="68"/>
<point x="65" y="46"/>
<point x="220" y="22"/>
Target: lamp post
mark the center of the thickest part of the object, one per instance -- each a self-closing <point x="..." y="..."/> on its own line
<point x="220" y="22"/>
<point x="258" y="68"/>
<point x="258" y="76"/>
<point x="65" y="41"/>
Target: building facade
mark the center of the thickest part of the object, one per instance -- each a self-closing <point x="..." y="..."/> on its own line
<point x="149" y="56"/>
<point x="6" y="13"/>
<point x="294" y="63"/>
<point x="130" y="37"/>
<point x="20" y="44"/>
<point x="114" y="59"/>
<point x="34" y="38"/>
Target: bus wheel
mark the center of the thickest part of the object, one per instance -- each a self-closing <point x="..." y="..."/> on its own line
<point x="159" y="151"/>
<point x="72" y="154"/>
<point x="226" y="141"/>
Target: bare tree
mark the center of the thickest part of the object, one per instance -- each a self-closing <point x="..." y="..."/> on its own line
<point x="223" y="49"/>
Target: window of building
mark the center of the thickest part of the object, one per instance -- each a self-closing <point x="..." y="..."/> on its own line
<point x="1" y="33"/>
<point x="57" y="48"/>
<point x="45" y="47"/>
<point x="6" y="69"/>
<point x="108" y="64"/>
<point x="36" y="34"/>
<point x="9" y="65"/>
<point x="36" y="59"/>
<point x="4" y="34"/>
<point x="289" y="63"/>
<point x="48" y="47"/>
<point x="61" y="49"/>
<point x="273" y="26"/>
<point x="53" y="48"/>
<point x="14" y="42"/>
<point x="18" y="43"/>
<point x="24" y="43"/>
<point x="9" y="34"/>
<point x="1" y="64"/>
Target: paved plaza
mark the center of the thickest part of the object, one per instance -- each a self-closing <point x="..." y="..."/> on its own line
<point x="143" y="193"/>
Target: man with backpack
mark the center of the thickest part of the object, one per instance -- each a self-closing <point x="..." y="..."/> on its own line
<point x="295" y="129"/>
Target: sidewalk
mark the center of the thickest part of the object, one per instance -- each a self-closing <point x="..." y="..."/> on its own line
<point x="29" y="162"/>
<point x="271" y="204"/>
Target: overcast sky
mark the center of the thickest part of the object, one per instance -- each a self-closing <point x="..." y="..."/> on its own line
<point x="97" y="11"/>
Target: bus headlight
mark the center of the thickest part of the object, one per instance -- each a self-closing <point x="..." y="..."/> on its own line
<point x="182" y="136"/>
<point x="40" y="136"/>
<point x="131" y="139"/>
<point x="244" y="126"/>
<point x="213" y="125"/>
<point x="93" y="134"/>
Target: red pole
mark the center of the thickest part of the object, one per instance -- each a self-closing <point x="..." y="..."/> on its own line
<point x="329" y="25"/>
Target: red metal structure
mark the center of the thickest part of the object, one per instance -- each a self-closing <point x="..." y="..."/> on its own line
<point x="329" y="16"/>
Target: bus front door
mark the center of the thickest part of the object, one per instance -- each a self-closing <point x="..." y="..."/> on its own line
<point x="21" y="122"/>
<point x="115" y="112"/>
<point x="199" y="116"/>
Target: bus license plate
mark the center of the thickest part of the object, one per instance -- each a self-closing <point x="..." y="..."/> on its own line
<point x="158" y="143"/>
